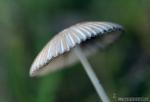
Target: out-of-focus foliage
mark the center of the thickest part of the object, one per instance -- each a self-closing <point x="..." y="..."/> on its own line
<point x="26" y="26"/>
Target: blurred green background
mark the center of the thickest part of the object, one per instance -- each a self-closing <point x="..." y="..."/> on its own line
<point x="27" y="25"/>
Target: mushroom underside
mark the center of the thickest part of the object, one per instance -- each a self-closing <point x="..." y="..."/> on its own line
<point x="89" y="47"/>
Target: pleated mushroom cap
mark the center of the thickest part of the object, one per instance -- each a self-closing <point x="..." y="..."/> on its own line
<point x="89" y="36"/>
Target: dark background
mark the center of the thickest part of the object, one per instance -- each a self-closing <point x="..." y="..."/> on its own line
<point x="27" y="25"/>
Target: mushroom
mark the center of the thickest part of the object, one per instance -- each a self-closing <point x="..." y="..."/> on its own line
<point x="74" y="44"/>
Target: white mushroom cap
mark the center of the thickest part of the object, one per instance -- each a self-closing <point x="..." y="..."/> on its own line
<point x="57" y="53"/>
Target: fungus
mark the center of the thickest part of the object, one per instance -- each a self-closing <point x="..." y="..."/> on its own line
<point x="74" y="44"/>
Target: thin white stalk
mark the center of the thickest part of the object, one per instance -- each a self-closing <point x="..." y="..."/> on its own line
<point x="91" y="74"/>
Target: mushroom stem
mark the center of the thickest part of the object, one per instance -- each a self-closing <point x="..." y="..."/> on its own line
<point x="91" y="74"/>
